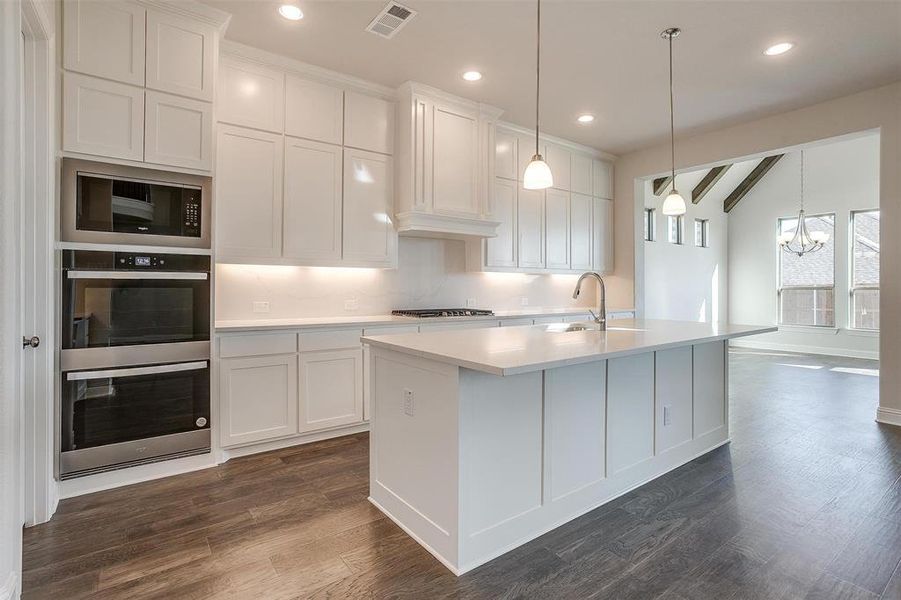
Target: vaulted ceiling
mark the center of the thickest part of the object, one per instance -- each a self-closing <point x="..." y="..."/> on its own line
<point x="601" y="57"/>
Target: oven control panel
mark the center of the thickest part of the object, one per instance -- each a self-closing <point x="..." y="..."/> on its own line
<point x="147" y="261"/>
<point x="134" y="261"/>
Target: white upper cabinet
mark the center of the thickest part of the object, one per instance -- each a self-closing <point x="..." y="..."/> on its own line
<point x="102" y="117"/>
<point x="368" y="123"/>
<point x="501" y="250"/>
<point x="456" y="162"/>
<point x="580" y="173"/>
<point x="178" y="131"/>
<point x="505" y="164"/>
<point x="105" y="39"/>
<point x="558" y="159"/>
<point x="602" y="179"/>
<point x="530" y="228"/>
<point x="556" y="210"/>
<point x="312" y="223"/>
<point x="180" y="55"/>
<point x="314" y="110"/>
<point x="369" y="236"/>
<point x="250" y="95"/>
<point x="602" y="236"/>
<point x="580" y="232"/>
<point x="248" y="193"/>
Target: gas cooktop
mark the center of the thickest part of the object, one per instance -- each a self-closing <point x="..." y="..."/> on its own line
<point x="443" y="312"/>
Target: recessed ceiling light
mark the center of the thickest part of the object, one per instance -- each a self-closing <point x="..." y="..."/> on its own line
<point x="472" y="75"/>
<point x="585" y="118"/>
<point x="780" y="48"/>
<point x="290" y="12"/>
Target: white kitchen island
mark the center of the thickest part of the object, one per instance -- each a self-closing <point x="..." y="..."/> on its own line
<point x="482" y="440"/>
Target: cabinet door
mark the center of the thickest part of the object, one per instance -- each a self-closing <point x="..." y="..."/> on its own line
<point x="248" y="193"/>
<point x="104" y="39"/>
<point x="250" y="95"/>
<point x="557" y="229"/>
<point x="369" y="236"/>
<point x="580" y="173"/>
<point x="558" y="159"/>
<point x="602" y="236"/>
<point x="314" y="110"/>
<point x="312" y="226"/>
<point x="530" y="228"/>
<point x="257" y="398"/>
<point x="501" y="250"/>
<point x="455" y="162"/>
<point x="525" y="149"/>
<point x="505" y="164"/>
<point x="602" y="179"/>
<point x="368" y="123"/>
<point x="178" y="131"/>
<point x="180" y="55"/>
<point x="331" y="388"/>
<point x="580" y="232"/>
<point x="102" y="117"/>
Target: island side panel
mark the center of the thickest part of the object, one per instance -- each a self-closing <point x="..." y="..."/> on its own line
<point x="414" y="470"/>
<point x="710" y="389"/>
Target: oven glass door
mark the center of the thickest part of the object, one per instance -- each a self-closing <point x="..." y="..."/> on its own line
<point x="104" y="309"/>
<point x="125" y="206"/>
<point x="111" y="406"/>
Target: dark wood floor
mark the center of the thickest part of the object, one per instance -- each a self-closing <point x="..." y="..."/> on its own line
<point x="805" y="503"/>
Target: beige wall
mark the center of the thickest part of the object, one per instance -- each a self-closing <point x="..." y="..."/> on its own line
<point x="879" y="108"/>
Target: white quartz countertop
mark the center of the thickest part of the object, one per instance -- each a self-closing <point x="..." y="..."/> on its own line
<point x="512" y="350"/>
<point x="375" y="320"/>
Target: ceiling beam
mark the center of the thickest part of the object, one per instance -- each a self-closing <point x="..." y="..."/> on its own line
<point x="750" y="181"/>
<point x="660" y="184"/>
<point x="707" y="183"/>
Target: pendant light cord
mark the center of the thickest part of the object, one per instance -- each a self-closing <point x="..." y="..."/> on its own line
<point x="537" y="76"/>
<point x="672" y="119"/>
<point x="802" y="181"/>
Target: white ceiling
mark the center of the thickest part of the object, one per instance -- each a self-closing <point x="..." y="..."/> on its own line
<point x="604" y="57"/>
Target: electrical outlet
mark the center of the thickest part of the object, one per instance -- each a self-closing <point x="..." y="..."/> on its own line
<point x="667" y="416"/>
<point x="524" y="301"/>
<point x="351" y="304"/>
<point x="470" y="303"/>
<point x="261" y="307"/>
<point x="408" y="402"/>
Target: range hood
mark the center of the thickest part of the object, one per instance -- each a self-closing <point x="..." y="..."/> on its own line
<point x="421" y="224"/>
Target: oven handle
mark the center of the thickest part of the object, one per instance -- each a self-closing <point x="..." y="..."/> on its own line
<point x="137" y="275"/>
<point x="107" y="373"/>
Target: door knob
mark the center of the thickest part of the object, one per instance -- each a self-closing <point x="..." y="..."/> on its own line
<point x="34" y="341"/>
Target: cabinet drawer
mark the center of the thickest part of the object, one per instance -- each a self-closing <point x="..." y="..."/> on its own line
<point x="258" y="344"/>
<point x="329" y="340"/>
<point x="391" y="329"/>
<point x="458" y="325"/>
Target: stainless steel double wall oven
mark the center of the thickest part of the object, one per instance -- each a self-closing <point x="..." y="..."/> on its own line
<point x="135" y="317"/>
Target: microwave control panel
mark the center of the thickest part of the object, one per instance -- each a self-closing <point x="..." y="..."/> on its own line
<point x="191" y="212"/>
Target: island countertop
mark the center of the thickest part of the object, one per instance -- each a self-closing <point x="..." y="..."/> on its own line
<point x="512" y="350"/>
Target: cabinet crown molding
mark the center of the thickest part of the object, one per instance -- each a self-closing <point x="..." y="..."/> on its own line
<point x="234" y="50"/>
<point x="204" y="13"/>
<point x="594" y="152"/>
<point x="486" y="111"/>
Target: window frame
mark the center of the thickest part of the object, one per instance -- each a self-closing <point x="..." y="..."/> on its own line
<point x="680" y="229"/>
<point x="650" y="224"/>
<point x="705" y="233"/>
<point x="780" y="287"/>
<point x="852" y="324"/>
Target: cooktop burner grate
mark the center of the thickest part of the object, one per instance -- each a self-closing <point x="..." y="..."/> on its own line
<point x="425" y="313"/>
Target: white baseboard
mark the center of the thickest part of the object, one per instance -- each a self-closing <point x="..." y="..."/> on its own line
<point x="258" y="447"/>
<point x="10" y="589"/>
<point x="889" y="416"/>
<point x="804" y="349"/>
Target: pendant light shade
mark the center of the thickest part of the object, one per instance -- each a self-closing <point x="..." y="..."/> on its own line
<point x="674" y="204"/>
<point x="538" y="174"/>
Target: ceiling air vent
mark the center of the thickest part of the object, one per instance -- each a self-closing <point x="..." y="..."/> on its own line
<point x="391" y="20"/>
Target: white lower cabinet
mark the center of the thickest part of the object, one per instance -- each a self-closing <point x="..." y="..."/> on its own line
<point x="331" y="388"/>
<point x="257" y="398"/>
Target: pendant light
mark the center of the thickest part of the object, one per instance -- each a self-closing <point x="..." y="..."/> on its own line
<point x="802" y="241"/>
<point x="537" y="175"/>
<point x="674" y="204"/>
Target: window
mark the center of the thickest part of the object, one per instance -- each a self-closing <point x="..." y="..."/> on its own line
<point x="674" y="225"/>
<point x="865" y="269"/>
<point x="702" y="232"/>
<point x="807" y="283"/>
<point x="650" y="224"/>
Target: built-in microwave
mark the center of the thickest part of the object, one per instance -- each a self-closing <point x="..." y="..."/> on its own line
<point x="116" y="204"/>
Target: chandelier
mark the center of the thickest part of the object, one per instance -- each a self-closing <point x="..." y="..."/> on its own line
<point x="802" y="241"/>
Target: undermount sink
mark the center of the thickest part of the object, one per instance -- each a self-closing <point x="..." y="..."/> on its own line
<point x="581" y="326"/>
